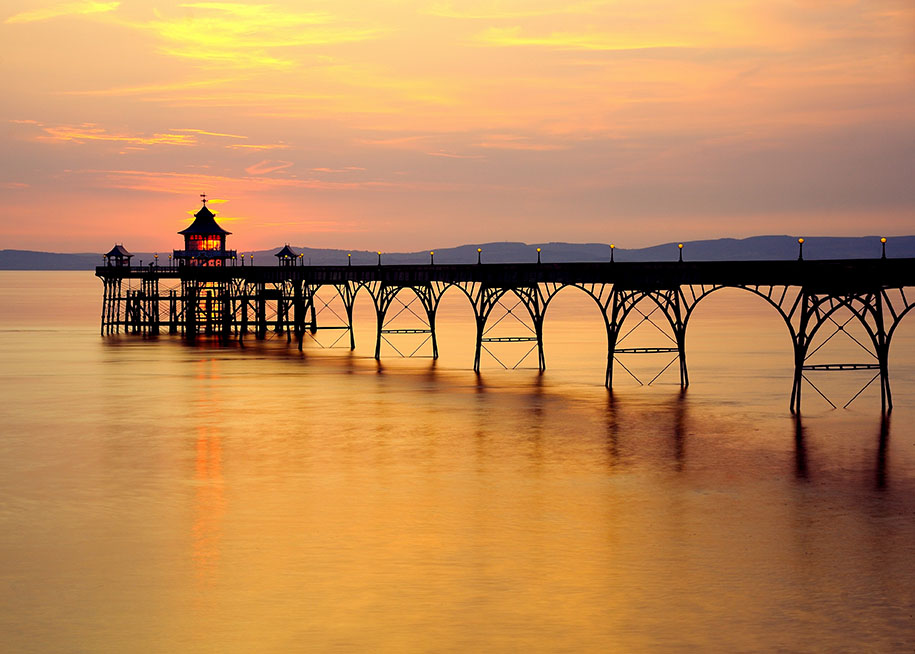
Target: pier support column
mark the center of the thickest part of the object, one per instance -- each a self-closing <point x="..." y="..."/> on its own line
<point x="245" y="302"/>
<point x="612" y="334"/>
<point x="172" y="312"/>
<point x="261" y="313"/>
<point x="190" y="311"/>
<point x="225" y="301"/>
<point x="882" y="347"/>
<point x="801" y="344"/>
<point x="349" y="301"/>
<point x="298" y="314"/>
<point x="431" y="315"/>
<point x="532" y="299"/>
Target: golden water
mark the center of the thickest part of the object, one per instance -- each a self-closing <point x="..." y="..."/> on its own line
<point x="163" y="497"/>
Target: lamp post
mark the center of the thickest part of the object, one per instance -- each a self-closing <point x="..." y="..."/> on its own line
<point x="243" y="259"/>
<point x="432" y="258"/>
<point x="538" y="255"/>
<point x="379" y="258"/>
<point x="349" y="259"/>
<point x="680" y="248"/>
<point x="302" y="259"/>
<point x="169" y="261"/>
<point x="479" y="255"/>
<point x="612" y="248"/>
<point x="156" y="255"/>
<point x="800" y="249"/>
<point x="883" y="245"/>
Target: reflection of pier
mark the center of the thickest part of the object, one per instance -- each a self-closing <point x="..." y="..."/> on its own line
<point x="811" y="296"/>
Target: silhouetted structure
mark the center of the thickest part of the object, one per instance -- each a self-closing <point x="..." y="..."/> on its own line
<point x="232" y="300"/>
<point x="204" y="241"/>
<point x="118" y="256"/>
<point x="287" y="256"/>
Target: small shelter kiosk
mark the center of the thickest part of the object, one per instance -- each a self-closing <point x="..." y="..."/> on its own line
<point x="286" y="256"/>
<point x="118" y="256"/>
<point x="204" y="241"/>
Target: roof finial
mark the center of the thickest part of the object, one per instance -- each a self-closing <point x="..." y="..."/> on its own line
<point x="204" y="196"/>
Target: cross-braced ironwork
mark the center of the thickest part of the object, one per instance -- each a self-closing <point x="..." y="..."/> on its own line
<point x="812" y="297"/>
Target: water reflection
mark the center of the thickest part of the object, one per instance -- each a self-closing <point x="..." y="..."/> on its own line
<point x="679" y="429"/>
<point x="882" y="446"/>
<point x="800" y="449"/>
<point x="207" y="499"/>
<point x="627" y="419"/>
<point x="612" y="434"/>
<point x="802" y="456"/>
<point x="209" y="495"/>
<point x="209" y="504"/>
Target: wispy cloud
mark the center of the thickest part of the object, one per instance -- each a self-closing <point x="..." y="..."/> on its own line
<point x="156" y="90"/>
<point x="86" y="132"/>
<point x="252" y="146"/>
<point x="267" y="166"/>
<point x="514" y="37"/>
<point x="453" y="155"/>
<point x="248" y="35"/>
<point x="395" y="141"/>
<point x="174" y="183"/>
<point x="65" y="9"/>
<point x="205" y="133"/>
<point x="92" y="132"/>
<point x="346" y="169"/>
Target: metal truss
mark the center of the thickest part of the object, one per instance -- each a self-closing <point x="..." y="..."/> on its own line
<point x="816" y="300"/>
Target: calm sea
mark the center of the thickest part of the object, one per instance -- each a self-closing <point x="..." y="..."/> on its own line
<point x="157" y="496"/>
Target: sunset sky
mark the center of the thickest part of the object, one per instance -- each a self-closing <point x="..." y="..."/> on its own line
<point x="409" y="125"/>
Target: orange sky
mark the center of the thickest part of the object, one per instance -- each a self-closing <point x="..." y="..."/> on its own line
<point x="408" y="125"/>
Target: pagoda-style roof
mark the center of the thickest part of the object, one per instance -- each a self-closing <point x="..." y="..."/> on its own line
<point x="118" y="251"/>
<point x="286" y="253"/>
<point x="204" y="224"/>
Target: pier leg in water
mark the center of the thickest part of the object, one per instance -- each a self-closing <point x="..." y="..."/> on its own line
<point x="172" y="312"/>
<point x="431" y="315"/>
<point x="298" y="310"/>
<point x="261" y="313"/>
<point x="379" y="322"/>
<point x="349" y="321"/>
<point x="481" y="325"/>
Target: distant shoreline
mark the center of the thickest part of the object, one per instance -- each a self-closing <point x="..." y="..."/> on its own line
<point x="759" y="248"/>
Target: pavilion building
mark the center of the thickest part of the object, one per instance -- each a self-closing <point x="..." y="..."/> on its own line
<point x="287" y="256"/>
<point x="118" y="256"/>
<point x="204" y="242"/>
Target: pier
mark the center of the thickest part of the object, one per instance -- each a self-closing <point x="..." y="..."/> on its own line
<point x="204" y="291"/>
<point x="234" y="301"/>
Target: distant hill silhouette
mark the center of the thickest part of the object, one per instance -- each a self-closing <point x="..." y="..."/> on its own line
<point x="761" y="248"/>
